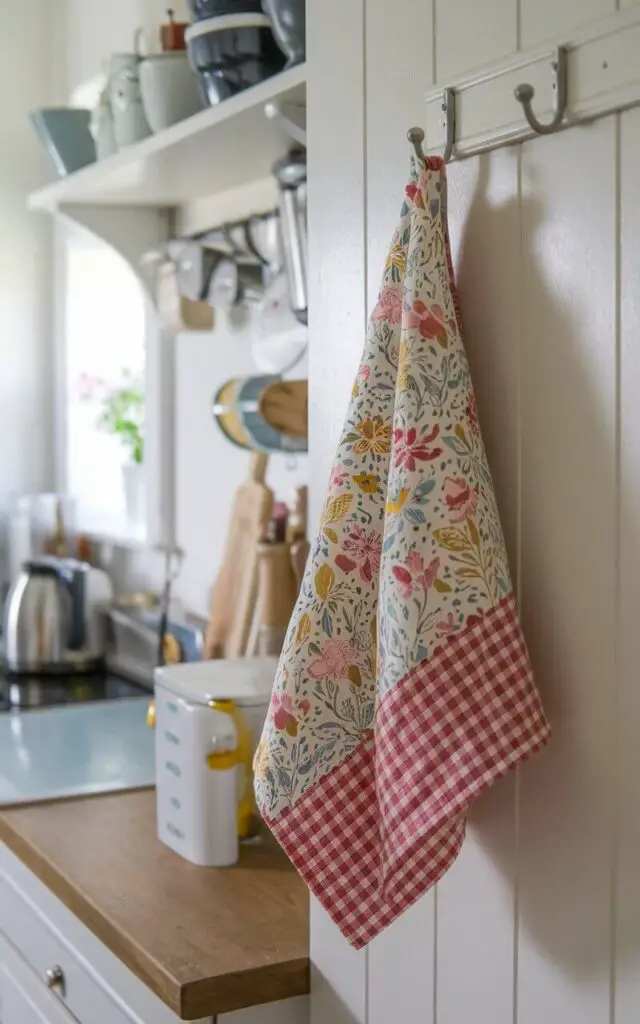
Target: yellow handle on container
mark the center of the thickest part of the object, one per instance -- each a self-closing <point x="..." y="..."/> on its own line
<point x="240" y="756"/>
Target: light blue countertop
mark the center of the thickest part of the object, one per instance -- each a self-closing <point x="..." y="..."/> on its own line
<point x="75" y="750"/>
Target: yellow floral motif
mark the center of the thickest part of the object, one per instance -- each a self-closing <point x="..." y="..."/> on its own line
<point x="304" y="628"/>
<point x="261" y="760"/>
<point x="451" y="539"/>
<point x="397" y="258"/>
<point x="355" y="675"/>
<point x="325" y="578"/>
<point x="336" y="509"/>
<point x="355" y="390"/>
<point x="403" y="365"/>
<point x="397" y="505"/>
<point x="367" y="482"/>
<point x="375" y="436"/>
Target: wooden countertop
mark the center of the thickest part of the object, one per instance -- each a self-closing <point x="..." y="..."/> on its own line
<point x="205" y="940"/>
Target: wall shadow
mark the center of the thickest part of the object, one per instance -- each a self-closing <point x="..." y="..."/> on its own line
<point x="568" y="794"/>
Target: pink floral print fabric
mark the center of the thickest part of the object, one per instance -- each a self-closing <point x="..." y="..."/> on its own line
<point x="408" y="568"/>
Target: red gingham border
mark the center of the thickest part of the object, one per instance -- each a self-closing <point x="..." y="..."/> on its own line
<point x="380" y="829"/>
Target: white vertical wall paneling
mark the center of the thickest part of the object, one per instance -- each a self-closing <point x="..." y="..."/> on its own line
<point x="335" y="99"/>
<point x="395" y="91"/>
<point x="628" y="904"/>
<point x="399" y="71"/>
<point x="471" y="34"/>
<point x="476" y="898"/>
<point x="548" y="411"/>
<point x="568" y="571"/>
<point x="546" y="19"/>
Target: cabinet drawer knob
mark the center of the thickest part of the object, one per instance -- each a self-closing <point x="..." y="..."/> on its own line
<point x="54" y="977"/>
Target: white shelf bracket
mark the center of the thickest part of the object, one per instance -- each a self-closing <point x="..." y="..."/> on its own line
<point x="292" y="116"/>
<point x="132" y="231"/>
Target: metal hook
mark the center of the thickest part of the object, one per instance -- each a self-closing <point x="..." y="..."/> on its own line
<point x="525" y="92"/>
<point x="416" y="138"/>
<point x="449" y="119"/>
<point x="416" y="135"/>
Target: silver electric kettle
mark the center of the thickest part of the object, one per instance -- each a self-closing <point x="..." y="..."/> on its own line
<point x="54" y="617"/>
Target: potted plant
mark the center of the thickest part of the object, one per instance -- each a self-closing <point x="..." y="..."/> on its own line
<point x="122" y="416"/>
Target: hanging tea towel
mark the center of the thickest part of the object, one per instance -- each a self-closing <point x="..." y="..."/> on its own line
<point x="405" y="688"/>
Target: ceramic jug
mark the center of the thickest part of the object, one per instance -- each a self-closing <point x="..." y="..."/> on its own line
<point x="101" y="126"/>
<point x="129" y="120"/>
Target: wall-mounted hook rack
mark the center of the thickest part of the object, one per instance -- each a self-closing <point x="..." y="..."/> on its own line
<point x="590" y="74"/>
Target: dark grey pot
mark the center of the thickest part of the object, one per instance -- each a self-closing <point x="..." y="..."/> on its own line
<point x="213" y="8"/>
<point x="288" y="19"/>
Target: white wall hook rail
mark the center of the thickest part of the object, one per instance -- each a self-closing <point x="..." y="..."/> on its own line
<point x="594" y="73"/>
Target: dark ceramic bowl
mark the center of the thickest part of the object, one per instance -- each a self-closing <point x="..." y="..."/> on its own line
<point x="230" y="59"/>
<point x="288" y="20"/>
<point x="214" y="8"/>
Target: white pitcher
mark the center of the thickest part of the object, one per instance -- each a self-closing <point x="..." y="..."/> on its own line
<point x="129" y="120"/>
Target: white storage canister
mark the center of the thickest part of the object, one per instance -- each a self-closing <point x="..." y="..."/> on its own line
<point x="192" y="794"/>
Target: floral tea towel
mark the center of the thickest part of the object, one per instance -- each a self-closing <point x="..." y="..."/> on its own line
<point x="405" y="688"/>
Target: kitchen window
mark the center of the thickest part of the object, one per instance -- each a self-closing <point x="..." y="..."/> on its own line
<point x="103" y="326"/>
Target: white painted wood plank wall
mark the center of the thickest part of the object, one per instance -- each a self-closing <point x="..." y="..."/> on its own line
<point x="337" y="303"/>
<point x="539" y="920"/>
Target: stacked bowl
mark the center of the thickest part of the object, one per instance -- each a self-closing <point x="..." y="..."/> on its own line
<point x="231" y="47"/>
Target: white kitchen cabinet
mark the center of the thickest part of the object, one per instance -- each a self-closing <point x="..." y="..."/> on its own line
<point x="24" y="999"/>
<point x="38" y="934"/>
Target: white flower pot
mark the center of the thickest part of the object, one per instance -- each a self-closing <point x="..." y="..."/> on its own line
<point x="133" y="478"/>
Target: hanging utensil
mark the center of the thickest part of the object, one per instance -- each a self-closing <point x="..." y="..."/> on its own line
<point x="233" y="282"/>
<point x="291" y="175"/>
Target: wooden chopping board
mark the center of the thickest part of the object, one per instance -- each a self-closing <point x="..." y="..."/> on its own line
<point x="234" y="594"/>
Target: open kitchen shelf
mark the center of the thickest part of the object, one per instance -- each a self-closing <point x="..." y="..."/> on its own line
<point x="136" y="200"/>
<point x="220" y="148"/>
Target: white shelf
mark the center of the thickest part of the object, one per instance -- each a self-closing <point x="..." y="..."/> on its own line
<point x="220" y="148"/>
